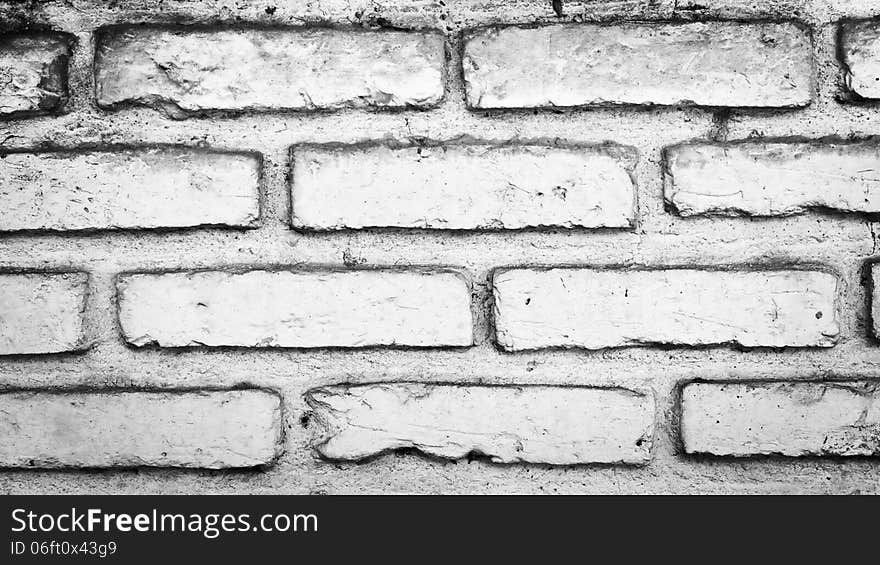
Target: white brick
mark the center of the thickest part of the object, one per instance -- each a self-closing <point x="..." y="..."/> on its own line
<point x="42" y="312"/>
<point x="509" y="424"/>
<point x="143" y="188"/>
<point x="595" y="309"/>
<point x="772" y="178"/>
<point x="875" y="298"/>
<point x="462" y="187"/>
<point x="784" y="418"/>
<point x="206" y="429"/>
<point x="706" y="64"/>
<point x="33" y="73"/>
<point x="860" y="51"/>
<point x="296" y="309"/>
<point x="192" y="71"/>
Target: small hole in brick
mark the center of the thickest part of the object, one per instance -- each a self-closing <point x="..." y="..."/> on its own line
<point x="818" y="315"/>
<point x="304" y="420"/>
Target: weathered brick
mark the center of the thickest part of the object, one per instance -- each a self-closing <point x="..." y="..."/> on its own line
<point x="781" y="418"/>
<point x="509" y="424"/>
<point x="33" y="73"/>
<point x="206" y="429"/>
<point x="296" y="309"/>
<point x="706" y="64"/>
<point x="595" y="309"/>
<point x="462" y="187"/>
<point x="771" y="178"/>
<point x="875" y="298"/>
<point x="192" y="71"/>
<point x="42" y="312"/>
<point x="859" y="47"/>
<point x="131" y="188"/>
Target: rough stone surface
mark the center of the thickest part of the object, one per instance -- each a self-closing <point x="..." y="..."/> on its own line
<point x="148" y="188"/>
<point x="296" y="309"/>
<point x="595" y="309"/>
<point x="33" y="73"/>
<point x="268" y="69"/>
<point x="704" y="64"/>
<point x="462" y="187"/>
<point x="788" y="418"/>
<point x="772" y="178"/>
<point x="206" y="429"/>
<point x="860" y="51"/>
<point x="42" y="312"/>
<point x="531" y="424"/>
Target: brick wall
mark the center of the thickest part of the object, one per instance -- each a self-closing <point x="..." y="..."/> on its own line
<point x="443" y="246"/>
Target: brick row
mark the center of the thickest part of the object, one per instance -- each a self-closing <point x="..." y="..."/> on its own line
<point x="555" y="425"/>
<point x="533" y="308"/>
<point x="190" y="70"/>
<point x="440" y="186"/>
